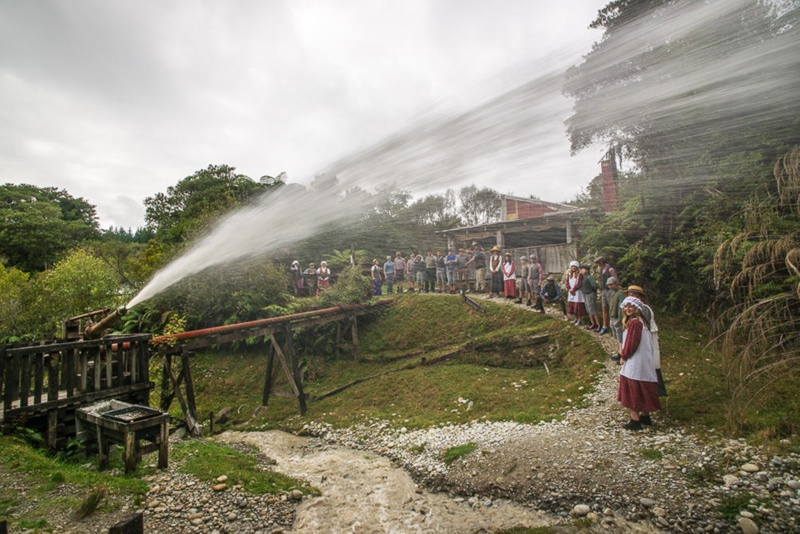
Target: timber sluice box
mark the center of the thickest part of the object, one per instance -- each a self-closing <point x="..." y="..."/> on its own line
<point x="116" y="422"/>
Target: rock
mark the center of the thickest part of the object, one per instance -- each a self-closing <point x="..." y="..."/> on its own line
<point x="794" y="484"/>
<point x="730" y="480"/>
<point x="223" y="416"/>
<point x="647" y="503"/>
<point x="220" y="487"/>
<point x="750" y="468"/>
<point x="748" y="526"/>
<point x="581" y="510"/>
<point x="296" y="495"/>
<point x="223" y="478"/>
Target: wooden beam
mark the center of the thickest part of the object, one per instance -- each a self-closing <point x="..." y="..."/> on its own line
<point x="269" y="375"/>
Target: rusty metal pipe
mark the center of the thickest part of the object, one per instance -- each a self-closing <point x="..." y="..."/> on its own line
<point x="216" y="330"/>
<point x="95" y="330"/>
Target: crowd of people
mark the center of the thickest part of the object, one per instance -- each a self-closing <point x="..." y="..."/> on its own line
<point x="592" y="298"/>
<point x="309" y="282"/>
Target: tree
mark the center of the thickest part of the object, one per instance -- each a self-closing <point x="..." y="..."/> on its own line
<point x="200" y="199"/>
<point x="703" y="110"/>
<point x="79" y="283"/>
<point x="478" y="206"/>
<point x="37" y="225"/>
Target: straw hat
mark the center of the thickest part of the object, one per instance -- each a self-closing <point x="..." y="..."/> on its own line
<point x="636" y="289"/>
<point x="495" y="249"/>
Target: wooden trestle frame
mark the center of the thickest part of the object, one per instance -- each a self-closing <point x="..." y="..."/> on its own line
<point x="183" y="344"/>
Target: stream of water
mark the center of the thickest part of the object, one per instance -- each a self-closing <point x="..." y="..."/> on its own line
<point x="363" y="492"/>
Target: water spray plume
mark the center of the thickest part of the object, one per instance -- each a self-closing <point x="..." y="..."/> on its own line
<point x="715" y="85"/>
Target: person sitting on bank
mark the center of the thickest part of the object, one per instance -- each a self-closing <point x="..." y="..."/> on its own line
<point x="551" y="294"/>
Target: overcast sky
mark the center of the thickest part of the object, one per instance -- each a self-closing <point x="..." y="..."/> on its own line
<point x="115" y="101"/>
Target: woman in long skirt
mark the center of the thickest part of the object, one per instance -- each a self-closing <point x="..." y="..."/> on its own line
<point x="575" y="299"/>
<point x="509" y="277"/>
<point x="638" y="383"/>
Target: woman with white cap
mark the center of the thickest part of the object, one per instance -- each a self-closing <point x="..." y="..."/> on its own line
<point x="638" y="383"/>
<point x="575" y="300"/>
<point x="323" y="277"/>
<point x="296" y="276"/>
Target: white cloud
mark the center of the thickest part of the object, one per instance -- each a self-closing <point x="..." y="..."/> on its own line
<point x="116" y="101"/>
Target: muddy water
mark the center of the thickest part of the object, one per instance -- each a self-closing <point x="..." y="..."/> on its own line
<point x="364" y="493"/>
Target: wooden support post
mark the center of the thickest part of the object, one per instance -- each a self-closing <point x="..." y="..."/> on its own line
<point x="163" y="446"/>
<point x="52" y="428"/>
<point x="337" y="347"/>
<point x="167" y="394"/>
<point x="282" y="359"/>
<point x="130" y="451"/>
<point x="188" y="384"/>
<point x="268" y="377"/>
<point x="295" y="366"/>
<point x="354" y="330"/>
<point x="102" y="447"/>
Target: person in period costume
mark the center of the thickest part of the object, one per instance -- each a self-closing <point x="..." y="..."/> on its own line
<point x="647" y="312"/>
<point x="495" y="266"/>
<point x="573" y="281"/>
<point x="638" y="384"/>
<point x="509" y="277"/>
<point x="296" y="277"/>
<point x="535" y="279"/>
<point x="589" y="289"/>
<point x="375" y="273"/>
<point x="323" y="277"/>
<point x="310" y="280"/>
<point x="615" y="313"/>
<point x="606" y="272"/>
<point x="388" y="273"/>
<point x="551" y="294"/>
<point x="399" y="270"/>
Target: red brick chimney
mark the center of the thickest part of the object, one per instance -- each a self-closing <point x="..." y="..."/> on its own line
<point x="608" y="173"/>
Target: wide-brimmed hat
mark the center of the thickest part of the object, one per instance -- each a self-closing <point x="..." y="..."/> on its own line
<point x="600" y="259"/>
<point x="495" y="249"/>
<point x="551" y="278"/>
<point x="636" y="289"/>
<point x="507" y="254"/>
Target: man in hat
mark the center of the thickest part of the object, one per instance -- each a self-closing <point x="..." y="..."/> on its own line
<point x="478" y="261"/>
<point x="606" y="272"/>
<point x="551" y="294"/>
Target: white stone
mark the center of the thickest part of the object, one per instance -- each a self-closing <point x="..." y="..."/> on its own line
<point x="730" y="480"/>
<point x="581" y="510"/>
<point x="748" y="526"/>
<point x="794" y="484"/>
<point x="750" y="468"/>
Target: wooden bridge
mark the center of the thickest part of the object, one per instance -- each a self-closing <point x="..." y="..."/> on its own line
<point x="42" y="385"/>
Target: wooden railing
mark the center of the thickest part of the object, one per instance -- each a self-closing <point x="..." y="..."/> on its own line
<point x="40" y="378"/>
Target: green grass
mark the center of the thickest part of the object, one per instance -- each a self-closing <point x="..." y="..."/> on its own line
<point x="459" y="451"/>
<point x="42" y="474"/>
<point x="207" y="461"/>
<point x="504" y="384"/>
<point x="651" y="454"/>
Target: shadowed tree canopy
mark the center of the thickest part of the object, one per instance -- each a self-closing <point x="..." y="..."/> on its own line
<point x="38" y="224"/>
<point x="200" y="199"/>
